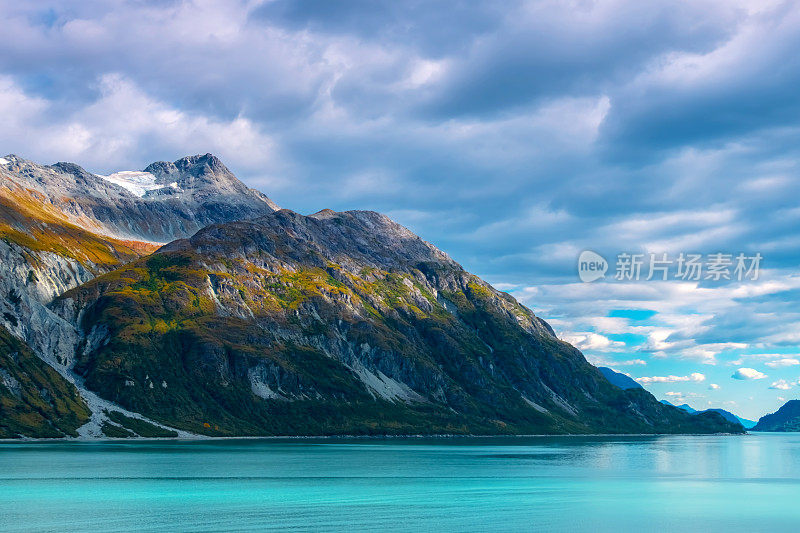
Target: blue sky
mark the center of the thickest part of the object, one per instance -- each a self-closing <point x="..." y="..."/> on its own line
<point x="513" y="135"/>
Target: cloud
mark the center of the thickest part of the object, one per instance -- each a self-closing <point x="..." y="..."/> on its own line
<point x="781" y="384"/>
<point x="783" y="362"/>
<point x="695" y="377"/>
<point x="713" y="386"/>
<point x="592" y="341"/>
<point x="630" y="362"/>
<point x="112" y="132"/>
<point x="745" y="373"/>
<point x="512" y="136"/>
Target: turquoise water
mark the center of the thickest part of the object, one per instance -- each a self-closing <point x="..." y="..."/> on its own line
<point x="680" y="483"/>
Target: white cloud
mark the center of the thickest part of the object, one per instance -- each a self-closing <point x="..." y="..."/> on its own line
<point x="338" y="110"/>
<point x="695" y="377"/>
<point x="604" y="360"/>
<point x="713" y="386"/>
<point x="122" y="123"/>
<point x="631" y="362"/>
<point x="592" y="341"/>
<point x="783" y="362"/>
<point x="748" y="373"/>
<point x="781" y="384"/>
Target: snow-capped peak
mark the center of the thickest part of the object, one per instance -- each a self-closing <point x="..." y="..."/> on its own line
<point x="4" y="161"/>
<point x="136" y="182"/>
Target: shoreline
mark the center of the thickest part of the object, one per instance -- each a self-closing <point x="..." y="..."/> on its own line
<point x="201" y="438"/>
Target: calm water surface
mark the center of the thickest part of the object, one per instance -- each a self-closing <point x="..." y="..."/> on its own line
<point x="737" y="483"/>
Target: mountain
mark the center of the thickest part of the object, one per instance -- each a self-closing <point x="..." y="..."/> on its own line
<point x="337" y="323"/>
<point x="685" y="407"/>
<point x="61" y="226"/>
<point x="260" y="321"/>
<point x="163" y="202"/>
<point x="618" y="379"/>
<point x="787" y="418"/>
<point x="727" y="415"/>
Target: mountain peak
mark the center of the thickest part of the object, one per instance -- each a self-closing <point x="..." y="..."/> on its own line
<point x="194" y="165"/>
<point x="198" y="173"/>
<point x="167" y="200"/>
<point x="209" y="160"/>
<point x="324" y="213"/>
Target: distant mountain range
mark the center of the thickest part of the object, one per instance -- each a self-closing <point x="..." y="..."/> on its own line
<point x="787" y="418"/>
<point x="748" y="424"/>
<point x="618" y="379"/>
<point x="256" y="320"/>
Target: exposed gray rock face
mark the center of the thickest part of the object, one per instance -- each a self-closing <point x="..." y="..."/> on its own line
<point x="183" y="197"/>
<point x="29" y="281"/>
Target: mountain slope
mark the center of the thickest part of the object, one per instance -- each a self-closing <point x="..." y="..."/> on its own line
<point x="337" y="323"/>
<point x="35" y="401"/>
<point x="42" y="255"/>
<point x="619" y="380"/>
<point x="727" y="415"/>
<point x="787" y="418"/>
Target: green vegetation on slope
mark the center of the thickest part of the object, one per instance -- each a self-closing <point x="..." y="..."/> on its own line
<point x="29" y="220"/>
<point x="35" y="401"/>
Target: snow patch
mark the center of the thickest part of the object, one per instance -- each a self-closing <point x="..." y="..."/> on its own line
<point x="137" y="183"/>
<point x="4" y="161"/>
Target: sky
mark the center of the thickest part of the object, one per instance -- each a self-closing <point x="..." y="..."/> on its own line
<point x="513" y="135"/>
